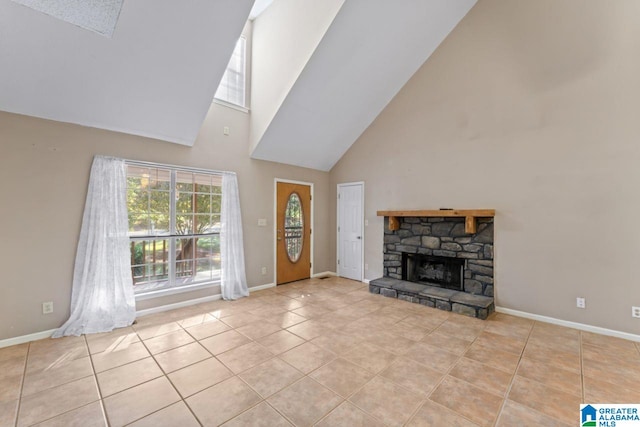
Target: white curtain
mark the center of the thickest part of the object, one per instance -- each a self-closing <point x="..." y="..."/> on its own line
<point x="102" y="296"/>
<point x="234" y="281"/>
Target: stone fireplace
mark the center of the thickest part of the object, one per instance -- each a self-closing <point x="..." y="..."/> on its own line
<point x="436" y="261"/>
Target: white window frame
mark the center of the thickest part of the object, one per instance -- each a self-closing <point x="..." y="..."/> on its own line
<point x="172" y="287"/>
<point x="218" y="97"/>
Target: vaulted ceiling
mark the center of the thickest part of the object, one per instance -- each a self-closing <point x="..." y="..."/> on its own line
<point x="156" y="73"/>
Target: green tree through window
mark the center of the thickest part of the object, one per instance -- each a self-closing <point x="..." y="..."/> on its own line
<point x="174" y="225"/>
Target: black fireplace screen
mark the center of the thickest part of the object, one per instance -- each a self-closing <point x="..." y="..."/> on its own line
<point x="446" y="272"/>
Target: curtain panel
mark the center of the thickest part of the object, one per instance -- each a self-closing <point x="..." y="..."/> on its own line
<point x="233" y="281"/>
<point x="102" y="295"/>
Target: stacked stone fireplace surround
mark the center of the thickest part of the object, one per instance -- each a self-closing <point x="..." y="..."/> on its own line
<point x="443" y="237"/>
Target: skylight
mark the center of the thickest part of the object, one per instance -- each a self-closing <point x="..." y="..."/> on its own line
<point x="258" y="7"/>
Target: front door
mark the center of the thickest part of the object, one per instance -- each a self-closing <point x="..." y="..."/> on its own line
<point x="350" y="230"/>
<point x="293" y="232"/>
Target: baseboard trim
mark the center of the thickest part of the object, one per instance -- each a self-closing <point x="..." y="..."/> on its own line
<point x="26" y="338"/>
<point x="140" y="313"/>
<point x="568" y="324"/>
<point x="261" y="287"/>
<point x="366" y="281"/>
<point x="580" y="326"/>
<point x="181" y="304"/>
<point x="324" y="274"/>
<point x="187" y="303"/>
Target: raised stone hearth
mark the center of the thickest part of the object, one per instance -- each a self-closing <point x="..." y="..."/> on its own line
<point x="444" y="299"/>
<point x="439" y="237"/>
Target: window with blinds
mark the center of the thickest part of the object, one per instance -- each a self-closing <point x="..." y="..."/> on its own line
<point x="232" y="88"/>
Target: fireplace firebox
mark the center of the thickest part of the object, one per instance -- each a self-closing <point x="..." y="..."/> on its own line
<point x="442" y="271"/>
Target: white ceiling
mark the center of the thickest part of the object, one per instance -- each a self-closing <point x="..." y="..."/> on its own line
<point x="155" y="77"/>
<point x="369" y="52"/>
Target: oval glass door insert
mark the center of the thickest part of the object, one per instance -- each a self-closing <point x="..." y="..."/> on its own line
<point x="293" y="227"/>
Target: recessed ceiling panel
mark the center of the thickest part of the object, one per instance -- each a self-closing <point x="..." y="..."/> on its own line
<point x="100" y="16"/>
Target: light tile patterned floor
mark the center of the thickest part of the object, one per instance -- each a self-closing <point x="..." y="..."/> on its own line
<point x="317" y="352"/>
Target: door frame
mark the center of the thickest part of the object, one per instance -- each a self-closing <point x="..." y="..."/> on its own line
<point x="362" y="226"/>
<point x="275" y="224"/>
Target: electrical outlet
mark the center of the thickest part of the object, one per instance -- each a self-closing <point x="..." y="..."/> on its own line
<point x="366" y="222"/>
<point x="635" y="311"/>
<point x="225" y="130"/>
<point x="580" y="302"/>
<point x="47" y="307"/>
<point x="366" y="266"/>
<point x="262" y="222"/>
<point x="264" y="270"/>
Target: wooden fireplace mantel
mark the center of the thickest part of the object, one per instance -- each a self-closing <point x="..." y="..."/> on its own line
<point x="469" y="215"/>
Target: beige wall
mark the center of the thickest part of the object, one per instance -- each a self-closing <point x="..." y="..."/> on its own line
<point x="528" y="107"/>
<point x="531" y="108"/>
<point x="44" y="170"/>
<point x="285" y="36"/>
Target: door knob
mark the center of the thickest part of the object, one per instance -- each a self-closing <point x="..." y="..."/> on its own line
<point x="358" y="237"/>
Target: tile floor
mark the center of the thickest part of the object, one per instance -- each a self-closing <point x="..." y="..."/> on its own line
<point x="317" y="352"/>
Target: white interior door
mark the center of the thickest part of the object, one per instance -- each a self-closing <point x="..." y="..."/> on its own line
<point x="350" y="230"/>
